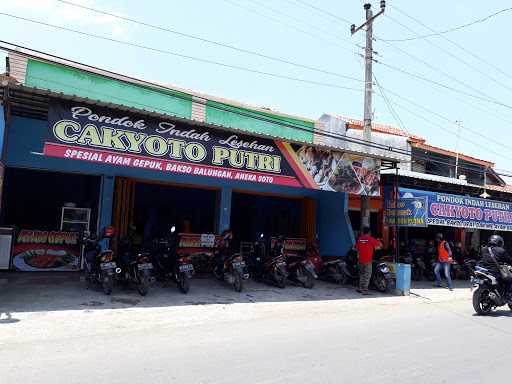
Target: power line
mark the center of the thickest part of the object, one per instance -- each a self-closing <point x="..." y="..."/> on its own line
<point x="469" y="65"/>
<point x="438" y="70"/>
<point x="449" y="30"/>
<point x="213" y="42"/>
<point x="463" y="101"/>
<point x="469" y="52"/>
<point x="424" y="79"/>
<point x="392" y="110"/>
<point x="159" y="50"/>
<point x="322" y="11"/>
<point x="439" y="116"/>
<point x="300" y="21"/>
<point x="281" y="22"/>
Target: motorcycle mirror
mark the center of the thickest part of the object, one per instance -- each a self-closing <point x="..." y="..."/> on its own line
<point x="173" y="229"/>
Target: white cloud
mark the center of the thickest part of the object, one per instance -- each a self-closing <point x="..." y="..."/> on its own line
<point x="55" y="12"/>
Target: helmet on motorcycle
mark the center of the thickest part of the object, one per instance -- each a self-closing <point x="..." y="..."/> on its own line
<point x="495" y="240"/>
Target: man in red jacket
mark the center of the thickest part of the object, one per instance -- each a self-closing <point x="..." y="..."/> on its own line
<point x="366" y="246"/>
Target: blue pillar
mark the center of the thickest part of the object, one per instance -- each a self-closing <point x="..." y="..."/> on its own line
<point x="224" y="214"/>
<point x="106" y="201"/>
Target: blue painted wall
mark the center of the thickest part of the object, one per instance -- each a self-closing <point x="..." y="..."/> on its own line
<point x="25" y="147"/>
<point x="334" y="229"/>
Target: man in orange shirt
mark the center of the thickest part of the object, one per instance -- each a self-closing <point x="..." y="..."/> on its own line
<point x="366" y="246"/>
<point x="444" y="261"/>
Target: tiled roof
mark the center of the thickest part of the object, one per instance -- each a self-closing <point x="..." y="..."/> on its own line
<point x="382" y="128"/>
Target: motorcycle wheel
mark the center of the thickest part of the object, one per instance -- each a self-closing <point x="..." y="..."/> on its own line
<point x="184" y="284"/>
<point x="107" y="285"/>
<point x="280" y="280"/>
<point x="380" y="284"/>
<point x="310" y="280"/>
<point x="481" y="302"/>
<point x="341" y="278"/>
<point x="416" y="274"/>
<point x="237" y="283"/>
<point x="143" y="285"/>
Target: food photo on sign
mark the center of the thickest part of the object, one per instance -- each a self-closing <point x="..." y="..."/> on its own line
<point x="341" y="172"/>
<point x="46" y="251"/>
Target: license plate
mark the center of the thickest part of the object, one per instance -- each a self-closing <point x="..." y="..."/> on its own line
<point x="238" y="264"/>
<point x="111" y="265"/>
<point x="186" y="268"/>
<point x="144" y="266"/>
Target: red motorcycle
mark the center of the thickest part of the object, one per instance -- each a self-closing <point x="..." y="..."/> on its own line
<point x="328" y="268"/>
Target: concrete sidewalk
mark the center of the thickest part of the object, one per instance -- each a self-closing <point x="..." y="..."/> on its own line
<point x="21" y="292"/>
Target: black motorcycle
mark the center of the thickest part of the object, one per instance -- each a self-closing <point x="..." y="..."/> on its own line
<point x="265" y="266"/>
<point x="300" y="269"/>
<point x="381" y="277"/>
<point x="168" y="265"/>
<point x="134" y="267"/>
<point x="229" y="267"/>
<point x="489" y="293"/>
<point x="99" y="265"/>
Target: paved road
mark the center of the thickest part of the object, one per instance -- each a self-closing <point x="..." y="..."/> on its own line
<point x="379" y="340"/>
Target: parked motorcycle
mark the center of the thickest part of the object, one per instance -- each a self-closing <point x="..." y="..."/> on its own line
<point x="267" y="267"/>
<point x="230" y="267"/>
<point x="168" y="265"/>
<point x="488" y="294"/>
<point x="99" y="265"/>
<point x="134" y="268"/>
<point x="300" y="269"/>
<point x="381" y="278"/>
<point x="328" y="268"/>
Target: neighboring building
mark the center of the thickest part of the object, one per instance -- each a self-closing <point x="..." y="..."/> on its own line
<point x="436" y="172"/>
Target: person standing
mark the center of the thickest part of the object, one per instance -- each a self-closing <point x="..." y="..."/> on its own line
<point x="444" y="261"/>
<point x="366" y="246"/>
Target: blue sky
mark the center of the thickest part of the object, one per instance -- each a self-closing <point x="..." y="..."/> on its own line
<point x="309" y="38"/>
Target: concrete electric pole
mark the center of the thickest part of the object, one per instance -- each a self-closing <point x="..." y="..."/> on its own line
<point x="368" y="79"/>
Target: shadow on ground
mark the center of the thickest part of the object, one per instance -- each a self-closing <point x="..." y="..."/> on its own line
<point x="24" y="292"/>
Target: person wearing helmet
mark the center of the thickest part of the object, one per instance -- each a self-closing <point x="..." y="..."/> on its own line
<point x="492" y="253"/>
<point x="444" y="260"/>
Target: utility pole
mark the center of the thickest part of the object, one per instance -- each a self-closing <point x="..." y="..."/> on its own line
<point x="368" y="80"/>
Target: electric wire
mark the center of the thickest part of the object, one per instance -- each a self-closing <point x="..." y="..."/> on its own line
<point x="193" y="58"/>
<point x="323" y="11"/>
<point x="213" y="42"/>
<point x="467" y="51"/>
<point x="281" y="22"/>
<point x="449" y="30"/>
<point x="456" y="57"/>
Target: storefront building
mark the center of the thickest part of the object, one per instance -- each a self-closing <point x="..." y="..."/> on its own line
<point x="86" y="148"/>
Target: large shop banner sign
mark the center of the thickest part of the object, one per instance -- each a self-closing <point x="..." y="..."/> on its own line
<point x="464" y="211"/>
<point x="46" y="251"/>
<point x="89" y="133"/>
<point x="406" y="212"/>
